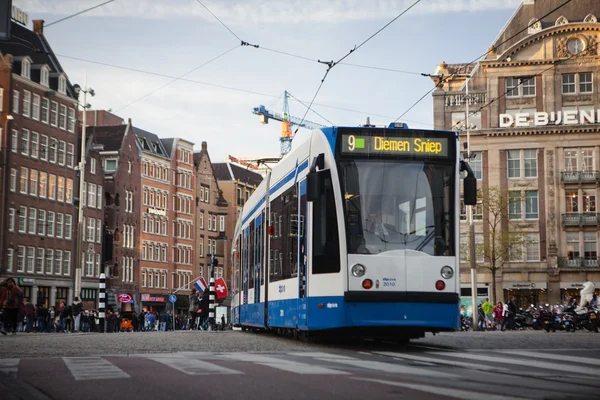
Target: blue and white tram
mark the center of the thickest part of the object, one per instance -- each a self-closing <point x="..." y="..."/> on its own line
<point x="355" y="229"/>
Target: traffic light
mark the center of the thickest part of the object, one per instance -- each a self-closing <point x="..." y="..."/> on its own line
<point x="215" y="262"/>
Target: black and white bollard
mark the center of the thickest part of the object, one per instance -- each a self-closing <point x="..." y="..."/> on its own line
<point x="211" y="303"/>
<point x="102" y="302"/>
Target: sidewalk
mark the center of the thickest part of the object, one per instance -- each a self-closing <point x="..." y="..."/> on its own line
<point x="14" y="389"/>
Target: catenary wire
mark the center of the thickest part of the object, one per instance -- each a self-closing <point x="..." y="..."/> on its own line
<point x="332" y="64"/>
<point x="299" y="101"/>
<point x="79" y="13"/>
<point x="462" y="68"/>
<point x="180" y="77"/>
<point x="222" y="23"/>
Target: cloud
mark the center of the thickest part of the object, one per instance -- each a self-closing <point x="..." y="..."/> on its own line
<point x="261" y="11"/>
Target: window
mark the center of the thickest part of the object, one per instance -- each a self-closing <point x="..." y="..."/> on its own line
<point x="91" y="201"/>
<point x="528" y="87"/>
<point x="10" y="259"/>
<point x="22" y="219"/>
<point x="326" y="254"/>
<point x="44" y="76"/>
<point x="144" y="278"/>
<point x="33" y="182"/>
<point x="590" y="246"/>
<point x="69" y="192"/>
<point x="110" y="165"/>
<point x="30" y="259"/>
<point x="98" y="264"/>
<point x="14" y="143"/>
<point x="60" y="195"/>
<point x="99" y="231"/>
<point x="476" y="164"/>
<point x="525" y="158"/>
<point x="50" y="225"/>
<point x="573" y="245"/>
<point x="67" y="263"/>
<point x="71" y="121"/>
<point x="13" y="179"/>
<point x="579" y="159"/>
<point x="514" y="205"/>
<point x="25" y="69"/>
<point x="21" y="259"/>
<point x="60" y="219"/>
<point x="43" y="185"/>
<point x="577" y="83"/>
<point x="11" y="219"/>
<point x="54" y="114"/>
<point x="99" y="197"/>
<point x="41" y="222"/>
<point x="62" y="84"/>
<point x="532" y="247"/>
<point x="68" y="226"/>
<point x="91" y="230"/>
<point x="26" y="103"/>
<point x="16" y="99"/>
<point x="585" y="82"/>
<point x="32" y="221"/>
<point x="52" y="150"/>
<point x="222" y="223"/>
<point x="44" y="148"/>
<point x="35" y="110"/>
<point x="589" y="200"/>
<point x="58" y="257"/>
<point x="89" y="264"/>
<point x="49" y="261"/>
<point x="517" y="87"/>
<point x="24" y="180"/>
<point x="62" y="148"/>
<point x="35" y="138"/>
<point x="39" y="266"/>
<point x="45" y="107"/>
<point x="93" y="165"/>
<point x="25" y="142"/>
<point x="70" y="155"/>
<point x="531" y="204"/>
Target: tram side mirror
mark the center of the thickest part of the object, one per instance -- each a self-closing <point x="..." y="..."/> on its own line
<point x="470" y="185"/>
<point x="313" y="186"/>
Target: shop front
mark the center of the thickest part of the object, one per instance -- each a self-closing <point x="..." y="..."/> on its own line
<point x="570" y="289"/>
<point x="526" y="293"/>
<point x="126" y="301"/>
<point x="154" y="302"/>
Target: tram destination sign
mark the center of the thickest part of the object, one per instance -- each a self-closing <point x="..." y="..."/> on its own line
<point x="357" y="144"/>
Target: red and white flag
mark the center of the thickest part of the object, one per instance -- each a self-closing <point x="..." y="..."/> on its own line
<point x="220" y="288"/>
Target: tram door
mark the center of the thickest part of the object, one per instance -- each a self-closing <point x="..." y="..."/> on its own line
<point x="258" y="242"/>
<point x="302" y="258"/>
<point x="245" y="273"/>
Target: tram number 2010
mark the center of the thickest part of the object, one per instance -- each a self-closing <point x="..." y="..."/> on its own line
<point x="389" y="283"/>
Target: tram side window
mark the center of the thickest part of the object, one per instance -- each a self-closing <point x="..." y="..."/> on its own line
<point x="276" y="241"/>
<point x="326" y="244"/>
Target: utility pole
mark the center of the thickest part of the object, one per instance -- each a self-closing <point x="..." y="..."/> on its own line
<point x="472" y="252"/>
<point x="80" y="227"/>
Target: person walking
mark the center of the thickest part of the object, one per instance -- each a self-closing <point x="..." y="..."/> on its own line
<point x="193" y="309"/>
<point x="499" y="315"/>
<point x="76" y="310"/>
<point x="488" y="310"/>
<point x="9" y="301"/>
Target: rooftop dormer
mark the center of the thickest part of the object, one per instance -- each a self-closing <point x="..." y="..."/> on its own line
<point x="25" y="65"/>
<point x="42" y="71"/>
<point x="59" y="82"/>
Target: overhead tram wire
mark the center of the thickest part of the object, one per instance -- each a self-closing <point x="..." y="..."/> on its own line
<point x="463" y="68"/>
<point x="180" y="77"/>
<point x="79" y="13"/>
<point x="301" y="102"/>
<point x="331" y="64"/>
<point x="222" y="23"/>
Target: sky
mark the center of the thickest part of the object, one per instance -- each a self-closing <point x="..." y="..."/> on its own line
<point x="179" y="37"/>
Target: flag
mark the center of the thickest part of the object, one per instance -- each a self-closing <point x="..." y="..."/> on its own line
<point x="220" y="288"/>
<point x="200" y="285"/>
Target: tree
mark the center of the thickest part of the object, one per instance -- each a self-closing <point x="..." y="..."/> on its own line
<point x="505" y="240"/>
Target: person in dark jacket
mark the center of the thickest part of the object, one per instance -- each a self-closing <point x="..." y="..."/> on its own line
<point x="9" y="301"/>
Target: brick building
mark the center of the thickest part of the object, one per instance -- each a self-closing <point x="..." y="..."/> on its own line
<point x="38" y="168"/>
<point x="237" y="184"/>
<point x="211" y="219"/>
<point x="533" y="120"/>
<point x="121" y="166"/>
<point x="182" y="214"/>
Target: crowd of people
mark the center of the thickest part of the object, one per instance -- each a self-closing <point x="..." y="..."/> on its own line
<point x="18" y="314"/>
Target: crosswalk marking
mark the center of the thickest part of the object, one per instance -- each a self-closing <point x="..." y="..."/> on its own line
<point x="555" y="357"/>
<point x="9" y="366"/>
<point x="520" y="361"/>
<point x="452" y="363"/>
<point x="92" y="368"/>
<point x="192" y="366"/>
<point x="284" y="365"/>
<point x="450" y="392"/>
<point x="390" y="368"/>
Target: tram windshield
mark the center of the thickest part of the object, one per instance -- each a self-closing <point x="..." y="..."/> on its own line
<point x="398" y="205"/>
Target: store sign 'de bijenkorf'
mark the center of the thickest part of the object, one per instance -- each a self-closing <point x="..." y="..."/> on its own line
<point x="524" y="285"/>
<point x="568" y="117"/>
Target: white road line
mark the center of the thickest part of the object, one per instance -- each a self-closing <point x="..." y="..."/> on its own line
<point x="192" y="366"/>
<point x="522" y="362"/>
<point x="92" y="368"/>
<point x="284" y="365"/>
<point x="456" y="393"/>
<point x="439" y="361"/>
<point x="321" y="355"/>
<point x="390" y="367"/>
<point x="9" y="366"/>
<point x="556" y="357"/>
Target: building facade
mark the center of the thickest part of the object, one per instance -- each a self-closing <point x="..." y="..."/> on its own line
<point x="211" y="220"/>
<point x="121" y="167"/>
<point x="38" y="168"/>
<point x="237" y="184"/>
<point x="533" y="105"/>
<point x="182" y="215"/>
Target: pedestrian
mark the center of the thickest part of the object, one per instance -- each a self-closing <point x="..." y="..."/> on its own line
<point x="488" y="310"/>
<point x="499" y="315"/>
<point x="193" y="309"/>
<point x="76" y="310"/>
<point x="512" y="311"/>
<point x="9" y="300"/>
<point x="222" y="322"/>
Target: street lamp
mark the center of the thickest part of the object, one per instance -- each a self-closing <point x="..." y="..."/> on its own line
<point x="81" y="168"/>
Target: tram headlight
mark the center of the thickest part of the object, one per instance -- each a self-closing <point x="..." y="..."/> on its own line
<point x="358" y="270"/>
<point x="447" y="272"/>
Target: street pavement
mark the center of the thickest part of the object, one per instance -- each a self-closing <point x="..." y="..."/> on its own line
<point x="248" y="366"/>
